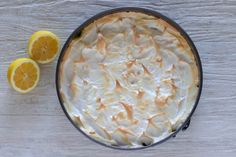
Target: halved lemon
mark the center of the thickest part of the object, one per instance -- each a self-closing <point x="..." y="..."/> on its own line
<point x="23" y="74"/>
<point x="43" y="46"/>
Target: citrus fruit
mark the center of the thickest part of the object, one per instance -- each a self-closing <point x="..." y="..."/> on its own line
<point x="23" y="74"/>
<point x="43" y="46"/>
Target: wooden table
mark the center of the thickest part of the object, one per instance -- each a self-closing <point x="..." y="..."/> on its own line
<point x="34" y="124"/>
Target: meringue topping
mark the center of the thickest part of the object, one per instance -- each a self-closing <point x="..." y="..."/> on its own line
<point x="129" y="80"/>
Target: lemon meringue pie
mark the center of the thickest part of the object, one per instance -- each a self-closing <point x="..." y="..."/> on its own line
<point x="129" y="80"/>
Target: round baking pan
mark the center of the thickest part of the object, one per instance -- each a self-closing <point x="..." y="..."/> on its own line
<point x="77" y="34"/>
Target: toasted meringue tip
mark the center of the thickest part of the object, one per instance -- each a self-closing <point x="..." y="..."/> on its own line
<point x="140" y="94"/>
<point x="101" y="107"/>
<point x="128" y="109"/>
<point x="118" y="86"/>
<point x="146" y="71"/>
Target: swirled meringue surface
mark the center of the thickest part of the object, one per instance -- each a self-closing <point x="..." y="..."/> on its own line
<point x="129" y="80"/>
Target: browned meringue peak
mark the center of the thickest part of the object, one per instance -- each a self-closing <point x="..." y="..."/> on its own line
<point x="101" y="106"/>
<point x="113" y="27"/>
<point x="109" y="98"/>
<point x="158" y="125"/>
<point x="106" y="77"/>
<point x="135" y="35"/>
<point x="129" y="64"/>
<point x="171" y="70"/>
<point x="92" y="133"/>
<point x="121" y="120"/>
<point x="161" y="101"/>
<point x="118" y="116"/>
<point x="141" y="40"/>
<point x="171" y="84"/>
<point x="140" y="94"/>
<point x="143" y="100"/>
<point x="123" y="136"/>
<point x="157" y="60"/>
<point x="143" y="104"/>
<point x="98" y="100"/>
<point x="153" y="130"/>
<point x="129" y="110"/>
<point x="97" y="128"/>
<point x="85" y="82"/>
<point x="77" y="120"/>
<point x="137" y="69"/>
<point x="101" y="44"/>
<point x="166" y="88"/>
<point x="146" y="71"/>
<point x="170" y="58"/>
<point x="118" y="87"/>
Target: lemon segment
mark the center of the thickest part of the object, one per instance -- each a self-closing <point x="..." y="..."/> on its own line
<point x="43" y="46"/>
<point x="23" y="75"/>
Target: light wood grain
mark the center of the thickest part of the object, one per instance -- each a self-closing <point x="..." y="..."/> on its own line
<point x="34" y="124"/>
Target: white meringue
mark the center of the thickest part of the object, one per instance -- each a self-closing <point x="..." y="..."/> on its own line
<point x="129" y="80"/>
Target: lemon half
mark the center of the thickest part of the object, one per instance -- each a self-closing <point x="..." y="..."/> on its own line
<point x="43" y="46"/>
<point x="23" y="75"/>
